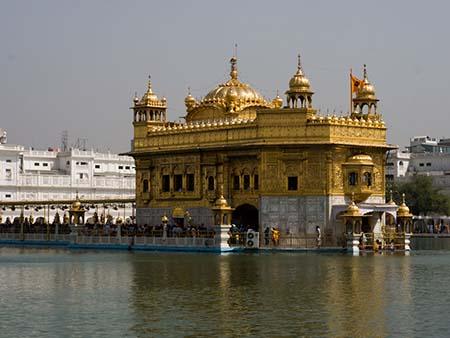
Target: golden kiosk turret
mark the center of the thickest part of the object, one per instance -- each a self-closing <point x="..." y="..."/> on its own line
<point x="148" y="111"/>
<point x="299" y="94"/>
<point x="365" y="101"/>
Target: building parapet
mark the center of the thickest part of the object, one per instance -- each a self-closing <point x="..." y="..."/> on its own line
<point x="216" y="124"/>
<point x="237" y="131"/>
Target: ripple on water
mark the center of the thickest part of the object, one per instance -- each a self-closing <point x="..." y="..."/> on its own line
<point x="62" y="293"/>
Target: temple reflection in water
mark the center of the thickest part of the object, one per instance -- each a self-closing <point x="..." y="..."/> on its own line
<point x="264" y="295"/>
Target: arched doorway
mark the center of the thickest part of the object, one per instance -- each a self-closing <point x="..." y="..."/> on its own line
<point x="247" y="215"/>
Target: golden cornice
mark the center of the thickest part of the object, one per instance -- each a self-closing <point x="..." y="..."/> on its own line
<point x="346" y="121"/>
<point x="199" y="125"/>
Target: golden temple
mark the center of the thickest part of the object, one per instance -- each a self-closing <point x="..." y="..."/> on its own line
<point x="277" y="163"/>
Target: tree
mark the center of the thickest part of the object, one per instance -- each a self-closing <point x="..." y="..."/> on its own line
<point x="421" y="196"/>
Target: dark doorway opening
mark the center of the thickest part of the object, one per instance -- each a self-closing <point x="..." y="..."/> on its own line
<point x="365" y="226"/>
<point x="246" y="215"/>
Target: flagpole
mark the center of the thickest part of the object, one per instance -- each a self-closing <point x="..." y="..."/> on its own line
<point x="350" y="110"/>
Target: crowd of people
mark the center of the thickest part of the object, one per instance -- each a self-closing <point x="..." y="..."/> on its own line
<point x="431" y="227"/>
<point x="39" y="226"/>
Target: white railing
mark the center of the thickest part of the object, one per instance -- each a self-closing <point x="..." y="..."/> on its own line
<point x="35" y="237"/>
<point x="150" y="241"/>
<point x="65" y="181"/>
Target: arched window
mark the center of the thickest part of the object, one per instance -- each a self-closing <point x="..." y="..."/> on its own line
<point x="165" y="183"/>
<point x="368" y="179"/>
<point x="210" y="183"/>
<point x="236" y="182"/>
<point x="145" y="186"/>
<point x="353" y="178"/>
<point x="400" y="163"/>
<point x="246" y="182"/>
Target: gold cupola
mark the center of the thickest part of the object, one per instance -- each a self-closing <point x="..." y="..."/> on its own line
<point x="403" y="210"/>
<point x="149" y="110"/>
<point x="365" y="101"/>
<point x="232" y="99"/>
<point x="366" y="90"/>
<point x="190" y="101"/>
<point x="299" y="94"/>
<point x="149" y="98"/>
<point x="277" y="102"/>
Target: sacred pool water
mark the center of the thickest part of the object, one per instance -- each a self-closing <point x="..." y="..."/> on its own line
<point x="59" y="293"/>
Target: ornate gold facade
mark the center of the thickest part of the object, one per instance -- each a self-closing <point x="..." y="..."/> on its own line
<point x="295" y="167"/>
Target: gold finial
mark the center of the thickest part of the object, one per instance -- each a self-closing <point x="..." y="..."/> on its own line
<point x="149" y="84"/>
<point x="391" y="200"/>
<point x="299" y="66"/>
<point x="353" y="197"/>
<point x="365" y="72"/>
<point x="403" y="198"/>
<point x="189" y="90"/>
<point x="234" y="72"/>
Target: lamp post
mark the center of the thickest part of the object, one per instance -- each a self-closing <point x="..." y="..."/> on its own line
<point x="21" y="223"/>
<point x="164" y="221"/>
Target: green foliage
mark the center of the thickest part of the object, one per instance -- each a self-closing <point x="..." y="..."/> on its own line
<point x="421" y="196"/>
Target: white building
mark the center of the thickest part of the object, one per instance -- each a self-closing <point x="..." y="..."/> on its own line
<point x="427" y="156"/>
<point x="36" y="175"/>
<point x="397" y="164"/>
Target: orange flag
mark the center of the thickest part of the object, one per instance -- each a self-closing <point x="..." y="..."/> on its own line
<point x="356" y="83"/>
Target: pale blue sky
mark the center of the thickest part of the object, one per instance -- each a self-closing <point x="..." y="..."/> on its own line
<point x="75" y="64"/>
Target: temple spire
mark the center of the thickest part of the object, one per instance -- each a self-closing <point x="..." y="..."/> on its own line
<point x="149" y="84"/>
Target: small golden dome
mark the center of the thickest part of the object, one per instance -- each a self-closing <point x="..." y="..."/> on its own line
<point x="391" y="198"/>
<point x="403" y="210"/>
<point x="150" y="99"/>
<point x="277" y="102"/>
<point x="360" y="159"/>
<point x="119" y="220"/>
<point x="299" y="82"/>
<point x="221" y="202"/>
<point x="135" y="98"/>
<point x="76" y="205"/>
<point x="352" y="210"/>
<point x="189" y="100"/>
<point x="367" y="90"/>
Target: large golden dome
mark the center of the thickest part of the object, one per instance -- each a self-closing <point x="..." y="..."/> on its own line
<point x="234" y="90"/>
<point x="230" y="99"/>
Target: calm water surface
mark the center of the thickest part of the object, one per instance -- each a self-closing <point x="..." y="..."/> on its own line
<point x="58" y="293"/>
